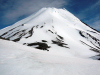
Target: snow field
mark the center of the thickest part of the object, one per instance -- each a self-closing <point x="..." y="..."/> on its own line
<point x="16" y="59"/>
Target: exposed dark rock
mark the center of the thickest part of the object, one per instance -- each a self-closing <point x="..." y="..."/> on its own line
<point x="23" y="30"/>
<point x="42" y="46"/>
<point x="4" y="38"/>
<point x="22" y="24"/>
<point x="24" y="43"/>
<point x="91" y="31"/>
<point x="99" y="59"/>
<point x="50" y="31"/>
<point x="60" y="37"/>
<point x="89" y="26"/>
<point x="15" y="40"/>
<point x="14" y="34"/>
<point x="59" y="43"/>
<point x="1" y="37"/>
<point x="87" y="35"/>
<point x="9" y="30"/>
<point x="91" y="48"/>
<point x="41" y="27"/>
<point x="19" y="33"/>
<point x="81" y="34"/>
<point x="96" y="57"/>
<point x="93" y="37"/>
<point x="95" y="45"/>
<point x="44" y="41"/>
<point x="4" y="33"/>
<point x="30" y="32"/>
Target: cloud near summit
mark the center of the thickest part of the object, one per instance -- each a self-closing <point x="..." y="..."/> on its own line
<point x="12" y="11"/>
<point x="20" y="8"/>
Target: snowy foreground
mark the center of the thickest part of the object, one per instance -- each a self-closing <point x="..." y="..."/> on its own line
<point x="17" y="59"/>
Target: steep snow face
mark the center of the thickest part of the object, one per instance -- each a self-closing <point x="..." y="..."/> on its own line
<point x="55" y="30"/>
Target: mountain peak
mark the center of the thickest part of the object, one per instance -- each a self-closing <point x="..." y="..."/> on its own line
<point x="55" y="30"/>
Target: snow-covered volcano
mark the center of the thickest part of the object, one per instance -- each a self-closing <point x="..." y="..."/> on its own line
<point x="57" y="31"/>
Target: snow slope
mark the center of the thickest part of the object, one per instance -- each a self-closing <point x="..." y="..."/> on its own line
<point x="57" y="31"/>
<point x="17" y="59"/>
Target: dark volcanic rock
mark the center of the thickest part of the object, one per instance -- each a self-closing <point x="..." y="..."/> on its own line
<point x="42" y="46"/>
<point x="60" y="43"/>
<point x="44" y="41"/>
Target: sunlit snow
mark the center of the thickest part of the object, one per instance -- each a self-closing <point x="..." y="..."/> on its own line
<point x="65" y="45"/>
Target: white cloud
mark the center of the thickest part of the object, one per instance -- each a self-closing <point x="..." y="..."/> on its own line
<point x="17" y="8"/>
<point x="83" y="13"/>
<point x="27" y="7"/>
<point x="91" y="17"/>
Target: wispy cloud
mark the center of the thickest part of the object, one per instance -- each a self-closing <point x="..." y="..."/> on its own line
<point x="14" y="10"/>
<point x="91" y="9"/>
<point x="91" y="15"/>
<point x="18" y="8"/>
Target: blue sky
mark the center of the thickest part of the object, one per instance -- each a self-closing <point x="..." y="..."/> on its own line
<point x="12" y="11"/>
